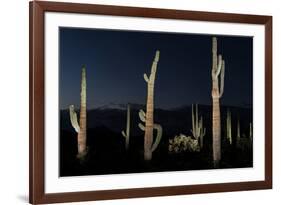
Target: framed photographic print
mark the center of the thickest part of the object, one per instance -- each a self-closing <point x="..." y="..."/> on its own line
<point x="139" y="102"/>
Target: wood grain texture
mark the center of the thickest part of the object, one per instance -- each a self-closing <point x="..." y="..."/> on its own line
<point x="36" y="107"/>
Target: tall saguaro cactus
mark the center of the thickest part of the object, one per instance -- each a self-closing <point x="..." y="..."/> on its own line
<point x="127" y="133"/>
<point x="81" y="128"/>
<point x="228" y="127"/>
<point x="217" y="74"/>
<point x="198" y="130"/>
<point x="147" y="117"/>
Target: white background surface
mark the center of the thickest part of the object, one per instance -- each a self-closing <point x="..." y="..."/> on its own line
<point x="14" y="100"/>
<point x="54" y="184"/>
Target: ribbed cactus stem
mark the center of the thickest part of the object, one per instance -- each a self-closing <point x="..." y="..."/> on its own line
<point x="218" y="69"/>
<point x="81" y="128"/>
<point x="228" y="127"/>
<point x="148" y="117"/>
<point x="127" y="133"/>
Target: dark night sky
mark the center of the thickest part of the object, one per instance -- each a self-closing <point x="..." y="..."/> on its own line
<point x="116" y="60"/>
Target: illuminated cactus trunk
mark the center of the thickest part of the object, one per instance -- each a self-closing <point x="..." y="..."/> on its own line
<point x="81" y="128"/>
<point x="127" y="134"/>
<point x="147" y="117"/>
<point x="217" y="71"/>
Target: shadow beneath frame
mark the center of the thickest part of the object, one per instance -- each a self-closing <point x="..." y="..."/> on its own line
<point x="23" y="198"/>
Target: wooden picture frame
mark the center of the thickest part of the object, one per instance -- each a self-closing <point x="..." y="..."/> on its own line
<point x="37" y="11"/>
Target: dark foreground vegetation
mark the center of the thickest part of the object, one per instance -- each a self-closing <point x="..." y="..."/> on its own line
<point x="106" y="145"/>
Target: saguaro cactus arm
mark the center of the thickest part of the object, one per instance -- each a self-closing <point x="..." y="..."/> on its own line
<point x="73" y="118"/>
<point x="158" y="128"/>
<point x="124" y="133"/>
<point x="158" y="137"/>
<point x="145" y="77"/>
<point x="151" y="77"/>
<point x="222" y="78"/>
<point x="142" y="115"/>
<point x="141" y="126"/>
<point x="143" y="119"/>
<point x="219" y="66"/>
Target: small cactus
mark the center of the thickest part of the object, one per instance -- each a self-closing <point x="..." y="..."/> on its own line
<point x="197" y="131"/>
<point x="228" y="127"/>
<point x="246" y="142"/>
<point x="127" y="133"/>
<point x="250" y="132"/>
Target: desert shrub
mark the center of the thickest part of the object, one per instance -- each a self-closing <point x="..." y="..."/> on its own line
<point x="182" y="143"/>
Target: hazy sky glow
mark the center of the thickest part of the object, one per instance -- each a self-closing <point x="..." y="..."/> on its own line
<point x="116" y="60"/>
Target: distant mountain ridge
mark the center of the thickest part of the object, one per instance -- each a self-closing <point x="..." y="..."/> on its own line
<point x="119" y="106"/>
<point x="174" y="121"/>
<point x="122" y="106"/>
